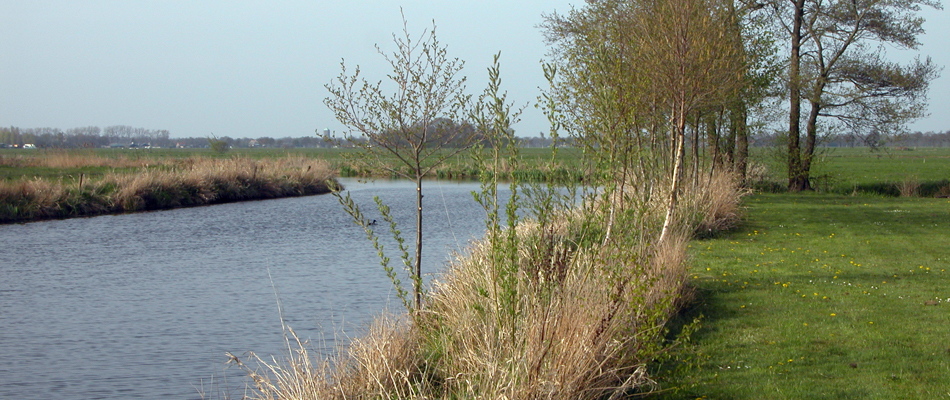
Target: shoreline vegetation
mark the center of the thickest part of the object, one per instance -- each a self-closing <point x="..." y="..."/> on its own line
<point x="114" y="185"/>
<point x="562" y="308"/>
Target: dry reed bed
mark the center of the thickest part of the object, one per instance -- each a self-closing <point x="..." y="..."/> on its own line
<point x="178" y="183"/>
<point x="557" y="316"/>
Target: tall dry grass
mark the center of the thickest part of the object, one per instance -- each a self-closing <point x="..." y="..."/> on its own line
<point x="563" y="314"/>
<point x="182" y="183"/>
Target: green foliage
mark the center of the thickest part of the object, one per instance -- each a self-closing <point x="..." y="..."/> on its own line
<point x="217" y="145"/>
<point x="353" y="210"/>
<point x="493" y="117"/>
<point x="412" y="130"/>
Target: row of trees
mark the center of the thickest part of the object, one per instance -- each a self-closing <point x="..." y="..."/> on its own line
<point x="651" y="76"/>
<point x="88" y="136"/>
<point x="637" y="83"/>
<point x="95" y="137"/>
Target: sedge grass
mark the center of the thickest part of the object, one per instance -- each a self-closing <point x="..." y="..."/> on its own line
<point x="824" y="297"/>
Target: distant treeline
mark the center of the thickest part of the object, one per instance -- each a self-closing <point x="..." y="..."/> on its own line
<point x="83" y="137"/>
<point x="127" y="136"/>
<point x="914" y="139"/>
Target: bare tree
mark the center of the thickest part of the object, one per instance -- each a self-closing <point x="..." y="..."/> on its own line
<point x="416" y="118"/>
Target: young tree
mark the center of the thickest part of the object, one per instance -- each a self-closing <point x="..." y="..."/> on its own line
<point x="693" y="59"/>
<point x="417" y="117"/>
<point x="837" y="65"/>
<point x="218" y="145"/>
<point x="636" y="65"/>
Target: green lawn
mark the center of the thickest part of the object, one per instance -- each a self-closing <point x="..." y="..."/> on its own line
<point x="824" y="297"/>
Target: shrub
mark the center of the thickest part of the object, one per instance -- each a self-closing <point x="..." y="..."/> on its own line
<point x="909" y="187"/>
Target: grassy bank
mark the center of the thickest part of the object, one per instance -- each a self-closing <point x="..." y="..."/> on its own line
<point x="824" y="297"/>
<point x="102" y="185"/>
<point x="551" y="309"/>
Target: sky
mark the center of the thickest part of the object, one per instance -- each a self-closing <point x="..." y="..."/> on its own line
<point x="258" y="68"/>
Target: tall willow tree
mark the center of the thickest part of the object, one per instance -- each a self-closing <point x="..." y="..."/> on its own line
<point x="634" y="71"/>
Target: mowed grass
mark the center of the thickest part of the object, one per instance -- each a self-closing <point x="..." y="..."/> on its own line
<point x="822" y="296"/>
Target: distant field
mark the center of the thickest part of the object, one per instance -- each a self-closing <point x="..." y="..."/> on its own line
<point x="849" y="170"/>
<point x="837" y="170"/>
<point x="16" y="163"/>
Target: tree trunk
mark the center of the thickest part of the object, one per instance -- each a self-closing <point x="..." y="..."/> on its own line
<point x="696" y="151"/>
<point x="712" y="135"/>
<point x="811" y="137"/>
<point x="797" y="181"/>
<point x="742" y="140"/>
<point x="417" y="280"/>
<point x="679" y="133"/>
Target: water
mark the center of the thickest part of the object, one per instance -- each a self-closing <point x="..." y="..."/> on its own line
<point x="146" y="305"/>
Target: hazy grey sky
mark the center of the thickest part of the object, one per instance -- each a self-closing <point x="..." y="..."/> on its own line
<point x="252" y="69"/>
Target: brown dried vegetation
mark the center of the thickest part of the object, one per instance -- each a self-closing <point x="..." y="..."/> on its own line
<point x="569" y="317"/>
<point x="175" y="183"/>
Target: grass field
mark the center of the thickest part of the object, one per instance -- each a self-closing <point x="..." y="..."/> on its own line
<point x="16" y="164"/>
<point x="824" y="297"/>
<point x="861" y="170"/>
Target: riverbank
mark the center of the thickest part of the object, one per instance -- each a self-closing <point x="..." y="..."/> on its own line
<point x="574" y="304"/>
<point x="138" y="185"/>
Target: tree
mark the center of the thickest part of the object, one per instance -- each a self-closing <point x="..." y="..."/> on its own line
<point x="633" y="67"/>
<point x="693" y="59"/>
<point x="218" y="145"/>
<point x="417" y="123"/>
<point x="837" y="65"/>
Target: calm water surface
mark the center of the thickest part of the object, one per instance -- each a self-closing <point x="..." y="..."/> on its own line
<point x="146" y="305"/>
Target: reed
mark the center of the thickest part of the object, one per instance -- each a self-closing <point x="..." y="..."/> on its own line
<point x="176" y="183"/>
<point x="573" y="316"/>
